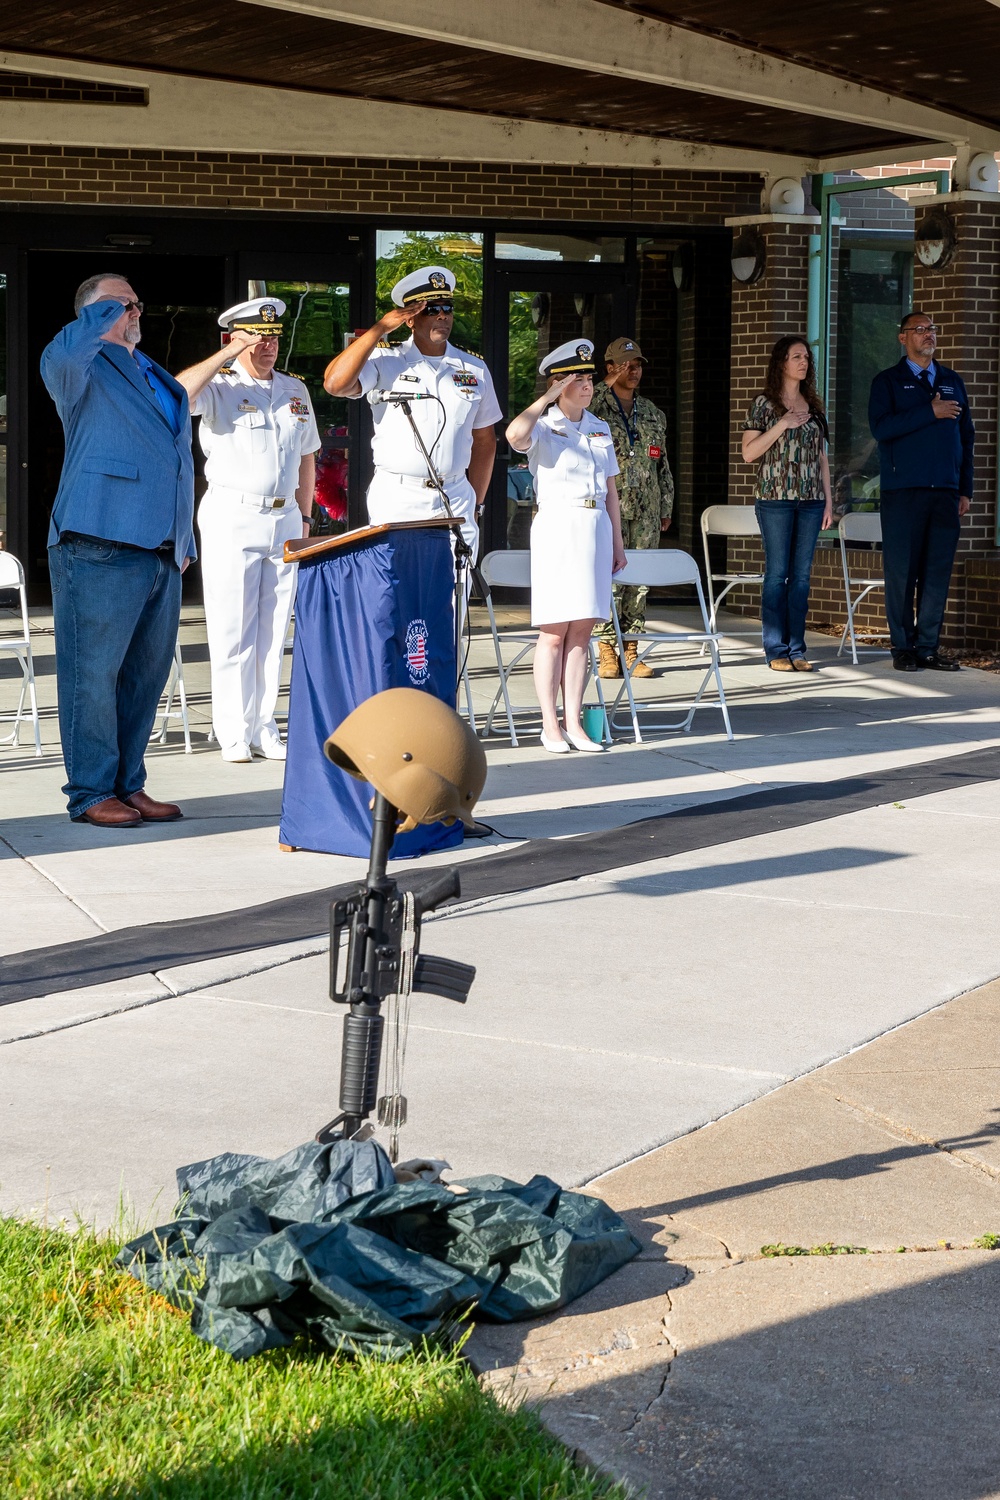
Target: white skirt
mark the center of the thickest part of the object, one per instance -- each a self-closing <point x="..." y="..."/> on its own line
<point x="572" y="550"/>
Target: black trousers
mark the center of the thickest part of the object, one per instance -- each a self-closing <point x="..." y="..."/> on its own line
<point x="919" y="535"/>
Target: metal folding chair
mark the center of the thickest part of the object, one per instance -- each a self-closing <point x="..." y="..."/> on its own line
<point x="727" y="521"/>
<point x="512" y="569"/>
<point x="857" y="526"/>
<point x="12" y="577"/>
<point x="175" y="685"/>
<point x="667" y="568"/>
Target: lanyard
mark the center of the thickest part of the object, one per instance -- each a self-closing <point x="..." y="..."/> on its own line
<point x="631" y="427"/>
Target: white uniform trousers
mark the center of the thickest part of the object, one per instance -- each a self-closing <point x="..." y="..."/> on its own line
<point x="249" y="592"/>
<point x="398" y="497"/>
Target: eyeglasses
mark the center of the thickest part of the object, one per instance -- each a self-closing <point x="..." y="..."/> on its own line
<point x="436" y="309"/>
<point x="921" y="328"/>
<point x="139" y="306"/>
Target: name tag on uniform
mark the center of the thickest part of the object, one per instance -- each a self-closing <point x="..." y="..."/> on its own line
<point x="298" y="407"/>
<point x="465" y="380"/>
<point x="246" y="406"/>
<point x="414" y="378"/>
<point x="655" y="452"/>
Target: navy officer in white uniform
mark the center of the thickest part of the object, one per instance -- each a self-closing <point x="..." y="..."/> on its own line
<point x="260" y="440"/>
<point x="458" y="428"/>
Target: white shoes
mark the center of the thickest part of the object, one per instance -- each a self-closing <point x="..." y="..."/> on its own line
<point x="270" y="748"/>
<point x="555" y="747"/>
<point x="239" y="754"/>
<point x="580" y="742"/>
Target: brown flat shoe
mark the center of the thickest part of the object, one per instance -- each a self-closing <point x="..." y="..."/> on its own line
<point x="153" y="812"/>
<point x="801" y="665"/>
<point x="780" y="664"/>
<point x="111" y="814"/>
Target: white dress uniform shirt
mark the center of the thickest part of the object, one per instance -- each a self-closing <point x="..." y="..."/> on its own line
<point x="465" y="390"/>
<point x="571" y="461"/>
<point x="254" y="434"/>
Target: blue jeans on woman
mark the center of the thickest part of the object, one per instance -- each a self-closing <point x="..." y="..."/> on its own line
<point x="116" y="610"/>
<point x="789" y="529"/>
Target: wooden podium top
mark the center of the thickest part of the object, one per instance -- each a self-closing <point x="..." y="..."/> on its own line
<point x="303" y="548"/>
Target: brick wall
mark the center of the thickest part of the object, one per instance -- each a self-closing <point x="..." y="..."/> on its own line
<point x="774" y="305"/>
<point x="981" y="580"/>
<point x="964" y="299"/>
<point x="174" y="179"/>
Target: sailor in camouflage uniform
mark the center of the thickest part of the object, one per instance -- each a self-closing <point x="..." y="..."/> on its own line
<point x="645" y="488"/>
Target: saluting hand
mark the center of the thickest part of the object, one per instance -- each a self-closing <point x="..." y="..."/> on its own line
<point x="397" y="316"/>
<point x="945" y="408"/>
<point x="240" y="341"/>
<point x="555" y="391"/>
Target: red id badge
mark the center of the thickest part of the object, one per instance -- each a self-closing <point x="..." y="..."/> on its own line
<point x="655" y="452"/>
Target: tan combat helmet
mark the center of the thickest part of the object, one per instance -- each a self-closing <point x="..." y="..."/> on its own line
<point x="416" y="751"/>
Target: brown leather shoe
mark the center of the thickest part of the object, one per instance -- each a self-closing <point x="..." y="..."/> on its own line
<point x="800" y="664"/>
<point x="781" y="664"/>
<point x="633" y="666"/>
<point x="111" y="814"/>
<point x="153" y="812"/>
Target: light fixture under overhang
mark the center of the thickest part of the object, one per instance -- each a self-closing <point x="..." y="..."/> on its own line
<point x="749" y="256"/>
<point x="934" y="240"/>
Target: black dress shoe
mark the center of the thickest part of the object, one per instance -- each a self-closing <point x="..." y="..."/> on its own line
<point x="905" y="661"/>
<point x="938" y="663"/>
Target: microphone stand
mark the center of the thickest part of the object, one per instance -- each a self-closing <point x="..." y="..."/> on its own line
<point x="465" y="563"/>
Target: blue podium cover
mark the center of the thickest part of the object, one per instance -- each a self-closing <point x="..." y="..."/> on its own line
<point x="374" y="615"/>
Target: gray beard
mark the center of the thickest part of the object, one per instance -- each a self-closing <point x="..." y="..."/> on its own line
<point x="132" y="334"/>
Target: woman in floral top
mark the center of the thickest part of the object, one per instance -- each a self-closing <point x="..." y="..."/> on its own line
<point x="786" y="434"/>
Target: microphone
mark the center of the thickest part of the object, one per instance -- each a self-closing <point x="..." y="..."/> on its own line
<point x="393" y="398"/>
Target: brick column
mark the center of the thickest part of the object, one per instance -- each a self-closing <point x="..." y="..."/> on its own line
<point x="775" y="305"/>
<point x="964" y="300"/>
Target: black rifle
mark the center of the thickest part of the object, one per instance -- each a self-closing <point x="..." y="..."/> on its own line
<point x="374" y="953"/>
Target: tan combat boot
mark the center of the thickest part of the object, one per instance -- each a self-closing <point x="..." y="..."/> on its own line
<point x="633" y="666"/>
<point x="608" y="663"/>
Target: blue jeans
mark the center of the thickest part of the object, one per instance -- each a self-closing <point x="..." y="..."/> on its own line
<point x="116" y="612"/>
<point x="789" y="529"/>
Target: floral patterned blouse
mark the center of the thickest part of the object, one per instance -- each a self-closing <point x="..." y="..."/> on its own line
<point x="791" y="468"/>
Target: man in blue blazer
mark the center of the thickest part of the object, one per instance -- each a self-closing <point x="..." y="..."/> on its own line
<point x="120" y="538"/>
<point x="919" y="413"/>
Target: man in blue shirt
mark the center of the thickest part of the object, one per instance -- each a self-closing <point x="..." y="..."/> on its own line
<point x="121" y="535"/>
<point x="919" y="413"/>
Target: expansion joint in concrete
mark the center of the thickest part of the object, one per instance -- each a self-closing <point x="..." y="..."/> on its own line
<point x="907" y="1133"/>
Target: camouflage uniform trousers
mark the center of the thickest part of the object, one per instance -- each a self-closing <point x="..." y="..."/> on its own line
<point x="637" y="531"/>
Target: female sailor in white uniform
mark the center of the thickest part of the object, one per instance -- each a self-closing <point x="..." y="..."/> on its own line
<point x="576" y="539"/>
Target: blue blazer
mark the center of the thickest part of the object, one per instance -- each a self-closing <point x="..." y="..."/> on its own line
<point x="127" y="477"/>
<point x="916" y="449"/>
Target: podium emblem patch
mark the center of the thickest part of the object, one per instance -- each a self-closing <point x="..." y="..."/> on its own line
<point x="416" y="652"/>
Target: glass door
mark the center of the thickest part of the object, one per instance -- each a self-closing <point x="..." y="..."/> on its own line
<point x="322" y="303"/>
<point x="536" y="311"/>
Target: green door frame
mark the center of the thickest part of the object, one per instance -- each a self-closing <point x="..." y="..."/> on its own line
<point x="826" y="191"/>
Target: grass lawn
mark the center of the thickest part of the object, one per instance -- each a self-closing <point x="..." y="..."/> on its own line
<point x="105" y="1392"/>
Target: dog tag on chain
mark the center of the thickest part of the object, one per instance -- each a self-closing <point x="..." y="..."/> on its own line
<point x="392" y="1111"/>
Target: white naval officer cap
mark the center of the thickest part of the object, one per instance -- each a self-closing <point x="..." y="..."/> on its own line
<point x="574" y="358"/>
<point x="426" y="285"/>
<point x="261" y="316"/>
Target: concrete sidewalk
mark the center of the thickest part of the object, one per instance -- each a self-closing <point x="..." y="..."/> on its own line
<point x="613" y="1019"/>
<point x="708" y="1369"/>
<point x="610" y="1014"/>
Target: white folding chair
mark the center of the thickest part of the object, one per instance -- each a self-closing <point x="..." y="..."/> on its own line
<point x="175" y="685"/>
<point x="512" y="569"/>
<point x="12" y="577"/>
<point x="667" y="568"/>
<point x="857" y="526"/>
<point x="727" y="521"/>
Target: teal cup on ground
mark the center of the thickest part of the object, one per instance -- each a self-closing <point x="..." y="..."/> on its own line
<point x="593" y="723"/>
